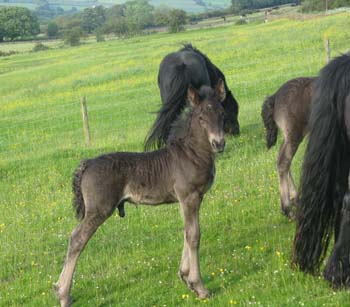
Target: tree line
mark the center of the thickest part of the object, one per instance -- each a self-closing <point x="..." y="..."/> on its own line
<point x="129" y="18"/>
<point x="318" y="5"/>
<point x="125" y="19"/>
<point x="243" y="6"/>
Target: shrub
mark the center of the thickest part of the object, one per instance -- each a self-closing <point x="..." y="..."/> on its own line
<point x="99" y="35"/>
<point x="39" y="47"/>
<point x="4" y="53"/>
<point x="240" y="22"/>
<point x="72" y="37"/>
<point x="52" y="29"/>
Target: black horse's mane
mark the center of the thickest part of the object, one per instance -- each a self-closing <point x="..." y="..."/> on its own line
<point x="325" y="167"/>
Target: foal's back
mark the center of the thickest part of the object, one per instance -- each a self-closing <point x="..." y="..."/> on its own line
<point x="292" y="104"/>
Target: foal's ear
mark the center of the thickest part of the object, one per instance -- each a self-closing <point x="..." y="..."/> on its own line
<point x="220" y="91"/>
<point x="192" y="96"/>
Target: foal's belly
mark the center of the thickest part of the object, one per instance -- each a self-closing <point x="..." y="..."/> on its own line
<point x="148" y="196"/>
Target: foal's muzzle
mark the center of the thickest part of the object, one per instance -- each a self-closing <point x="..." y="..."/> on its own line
<point x="218" y="146"/>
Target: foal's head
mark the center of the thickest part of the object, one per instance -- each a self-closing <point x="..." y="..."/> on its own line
<point x="209" y="113"/>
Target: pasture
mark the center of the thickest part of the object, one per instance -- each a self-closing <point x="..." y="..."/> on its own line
<point x="133" y="261"/>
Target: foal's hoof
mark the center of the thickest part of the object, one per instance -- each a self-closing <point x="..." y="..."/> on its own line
<point x="199" y="290"/>
<point x="65" y="301"/>
<point x="204" y="295"/>
<point x="289" y="213"/>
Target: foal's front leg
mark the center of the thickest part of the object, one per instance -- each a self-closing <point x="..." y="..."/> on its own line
<point x="189" y="268"/>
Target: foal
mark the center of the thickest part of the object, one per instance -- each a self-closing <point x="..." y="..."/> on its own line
<point x="289" y="109"/>
<point x="181" y="172"/>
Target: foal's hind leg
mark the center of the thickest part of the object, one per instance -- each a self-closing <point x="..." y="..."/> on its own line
<point x="285" y="156"/>
<point x="293" y="194"/>
<point x="79" y="238"/>
<point x="337" y="270"/>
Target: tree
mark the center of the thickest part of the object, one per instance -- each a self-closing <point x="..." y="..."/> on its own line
<point x="161" y="15"/>
<point x="240" y="5"/>
<point x="93" y="18"/>
<point x="52" y="29"/>
<point x="173" y="18"/>
<point x="17" y="22"/>
<point x="177" y="18"/>
<point x="138" y="14"/>
<point x="72" y="36"/>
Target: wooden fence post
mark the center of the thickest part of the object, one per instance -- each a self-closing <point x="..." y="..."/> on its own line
<point x="328" y="50"/>
<point x="85" y="121"/>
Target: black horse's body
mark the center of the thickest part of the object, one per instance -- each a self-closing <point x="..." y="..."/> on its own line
<point x="177" y="71"/>
<point x="324" y="191"/>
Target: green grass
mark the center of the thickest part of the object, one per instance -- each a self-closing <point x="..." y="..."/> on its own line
<point x="246" y="243"/>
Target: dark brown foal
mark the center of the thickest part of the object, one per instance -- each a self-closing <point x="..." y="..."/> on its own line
<point x="289" y="110"/>
<point x="181" y="172"/>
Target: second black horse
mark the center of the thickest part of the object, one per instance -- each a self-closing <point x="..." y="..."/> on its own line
<point x="177" y="71"/>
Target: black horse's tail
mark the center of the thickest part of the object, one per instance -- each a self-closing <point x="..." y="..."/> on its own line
<point x="78" y="199"/>
<point x="269" y="122"/>
<point x="322" y="165"/>
<point x="173" y="105"/>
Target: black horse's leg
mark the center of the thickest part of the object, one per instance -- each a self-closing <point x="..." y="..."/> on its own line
<point x="337" y="270"/>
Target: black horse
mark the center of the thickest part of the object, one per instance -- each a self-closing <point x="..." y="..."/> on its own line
<point x="325" y="191"/>
<point x="177" y="71"/>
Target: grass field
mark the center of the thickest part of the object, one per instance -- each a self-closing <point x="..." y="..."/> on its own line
<point x="246" y="242"/>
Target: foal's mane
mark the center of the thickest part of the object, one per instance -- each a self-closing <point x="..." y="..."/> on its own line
<point x="181" y="126"/>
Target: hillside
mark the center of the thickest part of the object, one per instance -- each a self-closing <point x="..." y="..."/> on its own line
<point x="190" y="6"/>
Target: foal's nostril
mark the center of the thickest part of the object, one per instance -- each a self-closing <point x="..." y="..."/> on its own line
<point x="218" y="146"/>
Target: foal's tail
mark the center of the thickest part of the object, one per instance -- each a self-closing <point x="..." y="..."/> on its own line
<point x="78" y="199"/>
<point x="269" y="122"/>
<point x="171" y="107"/>
<point x="323" y="166"/>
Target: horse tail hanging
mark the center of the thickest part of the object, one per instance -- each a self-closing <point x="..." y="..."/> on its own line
<point x="322" y="165"/>
<point x="269" y="122"/>
<point x="172" y="106"/>
<point x="78" y="199"/>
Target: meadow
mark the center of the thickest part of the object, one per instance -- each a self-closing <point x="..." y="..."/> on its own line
<point x="246" y="243"/>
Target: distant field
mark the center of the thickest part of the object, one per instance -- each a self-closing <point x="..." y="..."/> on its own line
<point x="187" y="5"/>
<point x="246" y="242"/>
